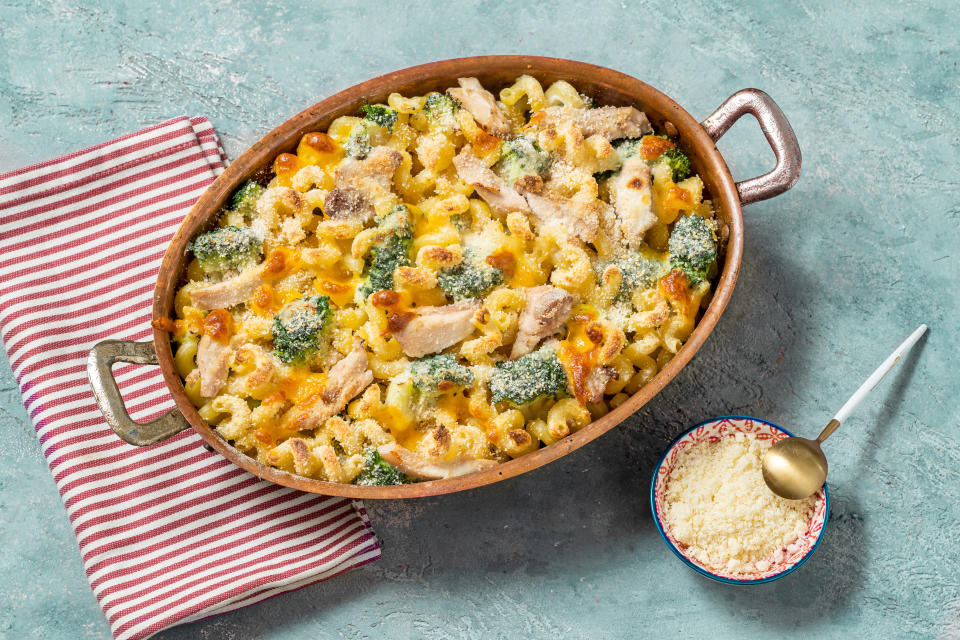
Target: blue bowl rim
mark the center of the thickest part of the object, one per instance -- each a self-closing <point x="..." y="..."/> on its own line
<point x="701" y="570"/>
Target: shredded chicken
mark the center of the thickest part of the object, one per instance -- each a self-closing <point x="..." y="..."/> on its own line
<point x="436" y="328"/>
<point x="492" y="188"/>
<point x="361" y="184"/>
<point x="418" y="466"/>
<point x="482" y="106"/>
<point x="345" y="380"/>
<point x="347" y="204"/>
<point x="545" y="310"/>
<point x="596" y="382"/>
<point x="608" y="122"/>
<point x="213" y="363"/>
<point x="580" y="218"/>
<point x="633" y="200"/>
<point x="228" y="293"/>
<point x="379" y="164"/>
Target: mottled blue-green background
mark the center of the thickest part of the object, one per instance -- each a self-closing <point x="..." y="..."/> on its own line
<point x="835" y="273"/>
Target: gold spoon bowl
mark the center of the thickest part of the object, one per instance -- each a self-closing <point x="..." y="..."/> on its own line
<point x="795" y="468"/>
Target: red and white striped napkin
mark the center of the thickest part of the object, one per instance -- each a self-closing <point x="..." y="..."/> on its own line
<point x="173" y="532"/>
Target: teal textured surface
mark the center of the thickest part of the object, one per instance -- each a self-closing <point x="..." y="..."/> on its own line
<point x="835" y="273"/>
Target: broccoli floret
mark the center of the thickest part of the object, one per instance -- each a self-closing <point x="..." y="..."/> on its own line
<point x="441" y="110"/>
<point x="377" y="472"/>
<point x="391" y="250"/>
<point x="627" y="148"/>
<point x="693" y="247"/>
<point x="638" y="272"/>
<point x="245" y="198"/>
<point x="605" y="175"/>
<point x="623" y="149"/>
<point x="439" y="373"/>
<point x="520" y="157"/>
<point x="527" y="378"/>
<point x="227" y="249"/>
<point x="459" y="222"/>
<point x="358" y="142"/>
<point x="298" y="330"/>
<point x="380" y="115"/>
<point x="679" y="163"/>
<point x="471" y="278"/>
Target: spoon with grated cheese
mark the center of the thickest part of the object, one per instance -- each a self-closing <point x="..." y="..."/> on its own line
<point x="795" y="468"/>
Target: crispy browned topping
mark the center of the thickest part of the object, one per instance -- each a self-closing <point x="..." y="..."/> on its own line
<point x="385" y="298"/>
<point x="164" y="324"/>
<point x="529" y="182"/>
<point x="675" y="286"/>
<point x="345" y="203"/>
<point x="218" y="325"/>
<point x="319" y="141"/>
<point x="286" y="163"/>
<point x="442" y="440"/>
<point x="594" y="331"/>
<point x="503" y="260"/>
<point x="333" y="288"/>
<point x="520" y="437"/>
<point x="654" y="146"/>
<point x="301" y="454"/>
<point x="398" y="320"/>
<point x="276" y="263"/>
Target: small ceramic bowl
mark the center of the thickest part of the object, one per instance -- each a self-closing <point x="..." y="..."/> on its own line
<point x="713" y="430"/>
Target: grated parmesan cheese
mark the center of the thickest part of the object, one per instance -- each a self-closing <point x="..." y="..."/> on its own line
<point x="722" y="514"/>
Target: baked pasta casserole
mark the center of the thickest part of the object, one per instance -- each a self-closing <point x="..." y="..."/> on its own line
<point x="444" y="282"/>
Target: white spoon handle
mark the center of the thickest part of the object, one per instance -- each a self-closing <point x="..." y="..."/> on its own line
<point x="877" y="375"/>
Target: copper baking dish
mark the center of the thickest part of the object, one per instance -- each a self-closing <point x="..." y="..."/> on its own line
<point x="606" y="87"/>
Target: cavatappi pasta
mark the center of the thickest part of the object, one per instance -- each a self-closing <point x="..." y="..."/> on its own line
<point x="444" y="282"/>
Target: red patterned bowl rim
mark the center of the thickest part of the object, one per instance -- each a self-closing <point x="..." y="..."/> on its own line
<point x="713" y="429"/>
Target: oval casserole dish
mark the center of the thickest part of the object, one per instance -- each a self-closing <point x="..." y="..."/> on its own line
<point x="606" y="87"/>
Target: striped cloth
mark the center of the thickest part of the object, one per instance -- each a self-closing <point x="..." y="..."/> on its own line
<point x="173" y="532"/>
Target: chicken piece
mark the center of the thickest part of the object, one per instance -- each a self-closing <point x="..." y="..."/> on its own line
<point x="482" y="106"/>
<point x="418" y="466"/>
<point x="348" y="204"/>
<point x="361" y="184"/>
<point x="595" y="383"/>
<point x="608" y="122"/>
<point x="436" y="328"/>
<point x="229" y="292"/>
<point x="633" y="201"/>
<point x="378" y="166"/>
<point x="213" y="364"/>
<point x="345" y="380"/>
<point x="578" y="217"/>
<point x="545" y="310"/>
<point x="492" y="188"/>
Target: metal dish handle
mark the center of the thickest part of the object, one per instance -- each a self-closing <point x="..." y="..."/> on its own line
<point x="107" y="393"/>
<point x="775" y="128"/>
